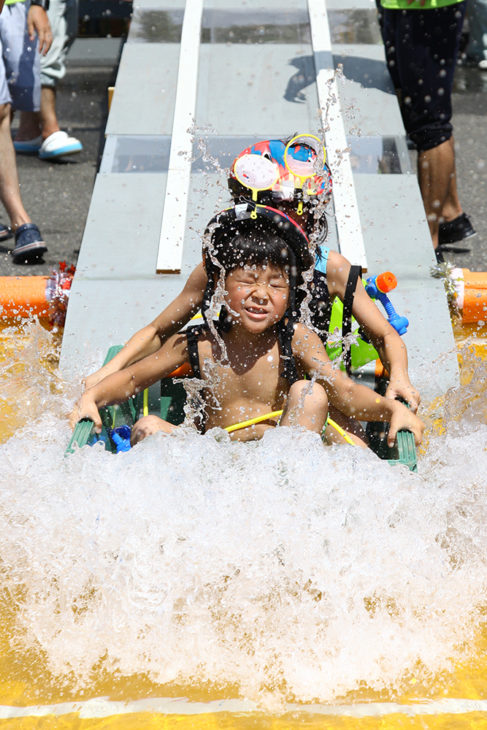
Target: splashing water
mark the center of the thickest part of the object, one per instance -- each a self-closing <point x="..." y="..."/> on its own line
<point x="277" y="566"/>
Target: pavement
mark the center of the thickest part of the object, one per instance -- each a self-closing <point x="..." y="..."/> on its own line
<point x="57" y="194"/>
<point x="470" y="130"/>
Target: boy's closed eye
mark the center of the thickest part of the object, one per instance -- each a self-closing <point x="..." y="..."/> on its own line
<point x="250" y="280"/>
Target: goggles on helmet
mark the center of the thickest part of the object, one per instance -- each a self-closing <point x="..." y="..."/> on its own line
<point x="275" y="171"/>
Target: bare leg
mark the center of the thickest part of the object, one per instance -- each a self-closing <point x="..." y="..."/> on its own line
<point x="306" y="406"/>
<point x="49" y="122"/>
<point x="9" y="180"/>
<point x="147" y="425"/>
<point x="353" y="428"/>
<point x="45" y="123"/>
<point x="452" y="207"/>
<point x="436" y="169"/>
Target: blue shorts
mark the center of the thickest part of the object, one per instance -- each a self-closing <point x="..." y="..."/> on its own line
<point x="19" y="66"/>
<point x="421" y="52"/>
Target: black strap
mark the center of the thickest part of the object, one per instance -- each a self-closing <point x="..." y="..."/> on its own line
<point x="192" y="334"/>
<point x="289" y="369"/>
<point x="320" y="305"/>
<point x="353" y="276"/>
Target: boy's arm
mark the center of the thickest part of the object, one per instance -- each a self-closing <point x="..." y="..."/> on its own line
<point x="388" y="343"/>
<point x="149" y="338"/>
<point x="352" y="399"/>
<point x="124" y="384"/>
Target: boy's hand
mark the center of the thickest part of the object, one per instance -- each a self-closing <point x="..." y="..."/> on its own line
<point x="38" y="22"/>
<point x="400" y="387"/>
<point x="403" y="418"/>
<point x="85" y="408"/>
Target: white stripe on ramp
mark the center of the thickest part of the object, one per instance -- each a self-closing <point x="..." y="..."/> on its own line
<point x="170" y="253"/>
<point x="346" y="208"/>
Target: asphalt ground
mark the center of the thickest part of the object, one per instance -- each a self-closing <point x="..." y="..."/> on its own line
<point x="57" y="194"/>
<point x="470" y="131"/>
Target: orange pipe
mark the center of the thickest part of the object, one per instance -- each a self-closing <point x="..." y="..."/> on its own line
<point x="474" y="296"/>
<point x="23" y="296"/>
<point x="471" y="294"/>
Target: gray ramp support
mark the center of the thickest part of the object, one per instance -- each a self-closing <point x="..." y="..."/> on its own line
<point x="257" y="72"/>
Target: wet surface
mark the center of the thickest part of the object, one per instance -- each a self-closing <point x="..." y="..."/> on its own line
<point x="354" y="26"/>
<point x="222" y="26"/>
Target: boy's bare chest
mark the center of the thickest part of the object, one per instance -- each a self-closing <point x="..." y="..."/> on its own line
<point x="243" y="375"/>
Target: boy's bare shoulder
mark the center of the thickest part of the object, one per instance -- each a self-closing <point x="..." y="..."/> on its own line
<point x="306" y="344"/>
<point x="303" y="333"/>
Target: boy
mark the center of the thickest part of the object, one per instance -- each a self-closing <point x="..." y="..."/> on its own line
<point x="252" y="362"/>
<point x="330" y="279"/>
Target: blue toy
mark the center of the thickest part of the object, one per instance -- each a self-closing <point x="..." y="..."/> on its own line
<point x="377" y="288"/>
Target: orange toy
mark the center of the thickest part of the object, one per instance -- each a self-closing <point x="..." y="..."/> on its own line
<point x="43" y="296"/>
<point x="470" y="294"/>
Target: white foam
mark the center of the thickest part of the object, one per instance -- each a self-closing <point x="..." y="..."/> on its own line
<point x="279" y="565"/>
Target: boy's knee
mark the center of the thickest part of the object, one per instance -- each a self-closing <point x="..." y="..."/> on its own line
<point x="308" y="390"/>
<point x="146" y="426"/>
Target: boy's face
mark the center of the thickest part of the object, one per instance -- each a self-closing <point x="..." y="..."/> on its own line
<point x="257" y="296"/>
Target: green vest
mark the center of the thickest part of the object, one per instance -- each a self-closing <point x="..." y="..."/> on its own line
<point x="416" y="5"/>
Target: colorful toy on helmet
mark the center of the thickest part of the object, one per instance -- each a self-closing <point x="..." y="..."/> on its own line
<point x="279" y="170"/>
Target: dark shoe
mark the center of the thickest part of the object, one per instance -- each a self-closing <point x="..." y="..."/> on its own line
<point x="440" y="259"/>
<point x="29" y="245"/>
<point x="5" y="232"/>
<point x="455" y="230"/>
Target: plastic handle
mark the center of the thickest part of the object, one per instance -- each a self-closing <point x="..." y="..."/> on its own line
<point x="81" y="434"/>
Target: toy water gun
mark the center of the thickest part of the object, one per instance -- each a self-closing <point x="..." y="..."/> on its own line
<point x="363" y="352"/>
<point x="121" y="438"/>
<point x="377" y="287"/>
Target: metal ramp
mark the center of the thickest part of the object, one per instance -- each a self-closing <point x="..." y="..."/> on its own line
<point x="200" y="80"/>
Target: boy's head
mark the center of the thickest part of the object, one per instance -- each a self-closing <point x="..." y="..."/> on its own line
<point x="287" y="174"/>
<point x="257" y="267"/>
<point x="269" y="242"/>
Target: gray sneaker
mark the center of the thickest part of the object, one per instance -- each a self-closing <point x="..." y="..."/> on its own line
<point x="482" y="65"/>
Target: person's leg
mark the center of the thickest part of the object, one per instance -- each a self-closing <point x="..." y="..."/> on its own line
<point x="22" y="60"/>
<point x="306" y="406"/>
<point x="436" y="169"/>
<point x="353" y="429"/>
<point x="452" y="208"/>
<point x="426" y="50"/>
<point x="29" y="245"/>
<point x="63" y="17"/>
<point x="32" y="124"/>
<point x="148" y="425"/>
<point x="9" y="180"/>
